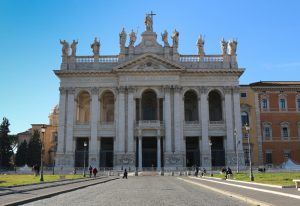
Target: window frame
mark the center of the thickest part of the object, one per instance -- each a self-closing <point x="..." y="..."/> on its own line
<point x="267" y="125"/>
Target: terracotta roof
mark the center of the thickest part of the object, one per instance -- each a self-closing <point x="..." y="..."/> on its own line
<point x="276" y="83"/>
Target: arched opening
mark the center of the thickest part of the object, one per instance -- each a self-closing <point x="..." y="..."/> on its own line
<point x="191" y="106"/>
<point x="215" y="106"/>
<point x="245" y="118"/>
<point x="149" y="105"/>
<point x="83" y="107"/>
<point x="107" y="107"/>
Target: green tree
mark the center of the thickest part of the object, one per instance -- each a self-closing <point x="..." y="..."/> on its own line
<point x="21" y="155"/>
<point x="34" y="149"/>
<point x="5" y="144"/>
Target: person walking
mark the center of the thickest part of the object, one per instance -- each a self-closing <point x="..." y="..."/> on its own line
<point x="95" y="171"/>
<point x="197" y="171"/>
<point x="125" y="174"/>
<point x="91" y="170"/>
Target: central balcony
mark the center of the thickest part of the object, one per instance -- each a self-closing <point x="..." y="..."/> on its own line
<point x="149" y="124"/>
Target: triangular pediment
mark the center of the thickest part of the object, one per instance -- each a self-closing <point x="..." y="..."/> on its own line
<point x="149" y="62"/>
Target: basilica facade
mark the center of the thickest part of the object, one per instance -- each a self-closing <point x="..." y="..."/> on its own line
<point x="149" y="106"/>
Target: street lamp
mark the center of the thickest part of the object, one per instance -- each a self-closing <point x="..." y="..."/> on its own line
<point x="236" y="150"/>
<point x="210" y="145"/>
<point x="84" y="146"/>
<point x="43" y="130"/>
<point x="247" y="128"/>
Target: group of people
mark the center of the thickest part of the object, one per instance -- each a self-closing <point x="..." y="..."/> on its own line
<point x="228" y="172"/>
<point x="203" y="172"/>
<point x="93" y="171"/>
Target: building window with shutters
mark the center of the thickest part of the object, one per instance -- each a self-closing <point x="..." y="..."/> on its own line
<point x="267" y="131"/>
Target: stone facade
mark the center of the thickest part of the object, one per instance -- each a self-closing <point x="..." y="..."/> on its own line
<point x="150" y="85"/>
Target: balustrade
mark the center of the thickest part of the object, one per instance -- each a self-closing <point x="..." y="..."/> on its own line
<point x="197" y="58"/>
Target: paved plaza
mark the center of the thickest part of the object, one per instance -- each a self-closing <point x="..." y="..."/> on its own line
<point x="145" y="190"/>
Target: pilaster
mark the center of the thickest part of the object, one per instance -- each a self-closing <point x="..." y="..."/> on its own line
<point x="205" y="149"/>
<point x="93" y="157"/>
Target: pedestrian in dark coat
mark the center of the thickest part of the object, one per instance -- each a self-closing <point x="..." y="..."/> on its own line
<point x="125" y="174"/>
<point x="91" y="170"/>
<point x="197" y="171"/>
<point x="95" y="171"/>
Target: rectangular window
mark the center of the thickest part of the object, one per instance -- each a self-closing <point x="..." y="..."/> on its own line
<point x="269" y="157"/>
<point x="282" y="103"/>
<point x="243" y="94"/>
<point x="267" y="132"/>
<point x="264" y="104"/>
<point x="285" y="132"/>
<point x="298" y="104"/>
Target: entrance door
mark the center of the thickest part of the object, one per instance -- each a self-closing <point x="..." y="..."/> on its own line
<point x="149" y="150"/>
<point x="192" y="152"/>
<point x="106" y="153"/>
<point x="81" y="151"/>
<point x="217" y="152"/>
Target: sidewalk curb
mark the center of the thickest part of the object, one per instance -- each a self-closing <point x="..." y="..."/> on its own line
<point x="49" y="186"/>
<point x="230" y="194"/>
<point x="54" y="193"/>
<point x="259" y="184"/>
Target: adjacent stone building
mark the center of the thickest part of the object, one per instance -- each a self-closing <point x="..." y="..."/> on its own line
<point x="149" y="106"/>
<point x="279" y="117"/>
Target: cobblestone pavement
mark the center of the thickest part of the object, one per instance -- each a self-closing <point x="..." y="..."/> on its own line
<point x="142" y="191"/>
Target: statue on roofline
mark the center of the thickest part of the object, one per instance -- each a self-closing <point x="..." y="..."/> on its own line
<point x="149" y="21"/>
<point x="175" y="38"/>
<point x="232" y="47"/>
<point x="65" y="47"/>
<point x="224" y="45"/>
<point x="122" y="36"/>
<point x="132" y="37"/>
<point x="200" y="44"/>
<point x="96" y="47"/>
<point x="73" y="47"/>
<point x="164" y="37"/>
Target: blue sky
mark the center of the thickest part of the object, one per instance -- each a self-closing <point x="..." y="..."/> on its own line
<point x="268" y="34"/>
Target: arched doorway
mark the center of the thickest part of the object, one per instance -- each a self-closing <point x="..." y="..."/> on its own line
<point x="191" y="106"/>
<point x="83" y="107"/>
<point x="215" y="106"/>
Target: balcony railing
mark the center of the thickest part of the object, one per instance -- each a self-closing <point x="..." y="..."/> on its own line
<point x="191" y="122"/>
<point x="197" y="58"/>
<point x="101" y="59"/>
<point x="149" y="123"/>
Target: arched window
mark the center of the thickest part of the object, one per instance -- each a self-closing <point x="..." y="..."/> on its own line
<point x="191" y="106"/>
<point x="149" y="105"/>
<point x="245" y="118"/>
<point x="83" y="107"/>
<point x="107" y="107"/>
<point x="215" y="106"/>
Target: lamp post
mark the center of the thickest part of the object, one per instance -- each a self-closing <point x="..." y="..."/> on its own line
<point x="247" y="128"/>
<point x="43" y="130"/>
<point x="84" y="146"/>
<point x="210" y="145"/>
<point x="236" y="151"/>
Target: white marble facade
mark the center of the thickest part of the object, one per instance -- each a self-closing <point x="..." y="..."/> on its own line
<point x="149" y="66"/>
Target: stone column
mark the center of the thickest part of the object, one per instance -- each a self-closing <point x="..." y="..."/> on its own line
<point x="167" y="120"/>
<point x="69" y="157"/>
<point x="178" y="124"/>
<point x="120" y="140"/>
<point x="61" y="129"/>
<point x="205" y="149"/>
<point x="140" y="108"/>
<point x="158" y="154"/>
<point x="258" y="129"/>
<point x="140" y="154"/>
<point x="130" y="125"/>
<point x="93" y="156"/>
<point x="230" y="142"/>
<point x="157" y="110"/>
<point x="238" y="124"/>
